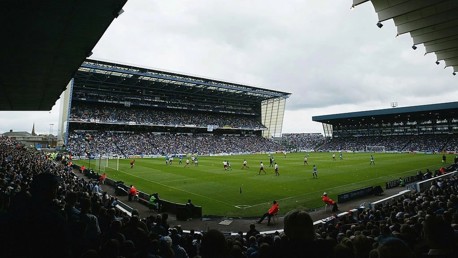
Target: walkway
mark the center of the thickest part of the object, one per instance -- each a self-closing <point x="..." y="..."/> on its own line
<point x="234" y="225"/>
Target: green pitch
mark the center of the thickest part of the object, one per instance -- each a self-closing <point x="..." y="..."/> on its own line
<point x="243" y="193"/>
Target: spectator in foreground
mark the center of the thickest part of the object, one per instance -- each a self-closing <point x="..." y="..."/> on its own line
<point x="300" y="235"/>
<point x="252" y="232"/>
<point x="213" y="245"/>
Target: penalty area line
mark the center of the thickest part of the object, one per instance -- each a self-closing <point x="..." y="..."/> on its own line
<point x="242" y="206"/>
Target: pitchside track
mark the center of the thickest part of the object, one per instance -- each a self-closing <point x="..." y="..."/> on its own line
<point x="241" y="192"/>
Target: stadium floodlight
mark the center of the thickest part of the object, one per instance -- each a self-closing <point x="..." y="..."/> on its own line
<point x="379" y="24"/>
<point x="414" y="47"/>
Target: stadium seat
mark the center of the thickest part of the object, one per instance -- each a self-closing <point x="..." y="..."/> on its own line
<point x="119" y="191"/>
<point x="326" y="206"/>
<point x="274" y="219"/>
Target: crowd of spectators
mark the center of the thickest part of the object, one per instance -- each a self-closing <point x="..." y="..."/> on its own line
<point x="302" y="141"/>
<point x="160" y="117"/>
<point x="109" y="143"/>
<point x="433" y="143"/>
<point x="46" y="211"/>
<point x="417" y="225"/>
<point x="152" y="143"/>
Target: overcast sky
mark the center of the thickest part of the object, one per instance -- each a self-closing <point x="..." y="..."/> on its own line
<point x="332" y="59"/>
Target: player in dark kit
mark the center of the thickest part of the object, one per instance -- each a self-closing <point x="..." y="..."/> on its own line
<point x="132" y="163"/>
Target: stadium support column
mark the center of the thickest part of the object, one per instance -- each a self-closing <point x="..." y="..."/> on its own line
<point x="327" y="129"/>
<point x="272" y="114"/>
<point x="64" y="114"/>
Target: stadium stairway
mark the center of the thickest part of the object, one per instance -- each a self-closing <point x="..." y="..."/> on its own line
<point x="234" y="225"/>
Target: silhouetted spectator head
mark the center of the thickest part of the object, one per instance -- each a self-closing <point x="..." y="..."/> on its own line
<point x="213" y="244"/>
<point x="110" y="248"/>
<point x="438" y="233"/>
<point x="85" y="205"/>
<point x="135" y="212"/>
<point x="299" y="225"/>
<point x="127" y="248"/>
<point x="71" y="198"/>
<point x="45" y="186"/>
<point x="392" y="247"/>
<point x="361" y="245"/>
<point x="343" y="251"/>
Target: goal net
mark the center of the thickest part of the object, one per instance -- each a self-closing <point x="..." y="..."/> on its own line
<point x="111" y="163"/>
<point x="375" y="148"/>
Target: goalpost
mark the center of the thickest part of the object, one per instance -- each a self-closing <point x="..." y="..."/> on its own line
<point x="112" y="162"/>
<point x="375" y="148"/>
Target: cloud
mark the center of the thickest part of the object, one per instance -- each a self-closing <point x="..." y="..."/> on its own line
<point x="45" y="122"/>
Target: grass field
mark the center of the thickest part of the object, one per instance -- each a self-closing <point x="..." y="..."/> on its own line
<point x="244" y="193"/>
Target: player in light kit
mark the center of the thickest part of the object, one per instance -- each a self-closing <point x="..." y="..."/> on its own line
<point x="261" y="168"/>
<point x="187" y="163"/>
<point x="245" y="164"/>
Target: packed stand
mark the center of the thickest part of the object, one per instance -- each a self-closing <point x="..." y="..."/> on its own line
<point x="109" y="143"/>
<point x="302" y="141"/>
<point x="159" y="117"/>
<point x="48" y="212"/>
<point x="412" y="143"/>
<point x="417" y="225"/>
<point x="427" y="143"/>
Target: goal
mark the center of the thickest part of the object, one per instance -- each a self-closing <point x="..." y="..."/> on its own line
<point x="111" y="162"/>
<point x="375" y="148"/>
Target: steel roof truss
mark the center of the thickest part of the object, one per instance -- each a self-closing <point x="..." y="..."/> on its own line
<point x="401" y="9"/>
<point x="427" y="21"/>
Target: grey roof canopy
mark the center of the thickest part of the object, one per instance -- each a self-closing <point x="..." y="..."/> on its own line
<point x="100" y="76"/>
<point x="433" y="23"/>
<point x="43" y="44"/>
<point x="415" y="113"/>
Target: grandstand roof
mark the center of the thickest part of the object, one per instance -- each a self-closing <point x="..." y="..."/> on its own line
<point x="431" y="23"/>
<point x="97" y="75"/>
<point x="423" y="112"/>
<point x="44" y="43"/>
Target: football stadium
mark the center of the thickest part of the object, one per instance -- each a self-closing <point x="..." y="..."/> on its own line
<point x="152" y="163"/>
